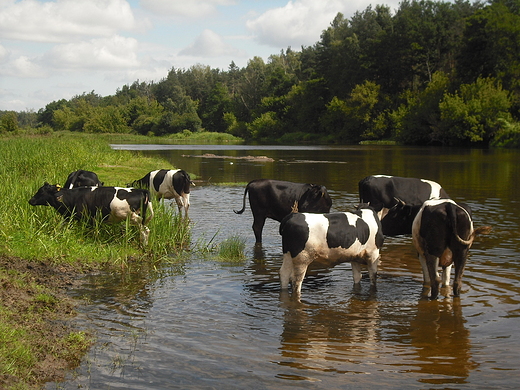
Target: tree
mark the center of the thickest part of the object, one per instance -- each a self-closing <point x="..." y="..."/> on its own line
<point x="475" y="113"/>
<point x="8" y="122"/>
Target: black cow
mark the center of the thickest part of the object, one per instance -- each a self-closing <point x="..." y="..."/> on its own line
<point x="383" y="192"/>
<point x="115" y="204"/>
<point x="332" y="239"/>
<point x="168" y="184"/>
<point x="275" y="199"/>
<point x="442" y="233"/>
<point x="81" y="178"/>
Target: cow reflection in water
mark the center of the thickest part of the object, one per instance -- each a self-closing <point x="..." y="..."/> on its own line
<point x="325" y="338"/>
<point x="430" y="339"/>
<point x="441" y="341"/>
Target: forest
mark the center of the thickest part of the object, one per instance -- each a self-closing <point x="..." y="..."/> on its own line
<point x="427" y="73"/>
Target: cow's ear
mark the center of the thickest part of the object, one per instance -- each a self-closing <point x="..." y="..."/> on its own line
<point x="58" y="187"/>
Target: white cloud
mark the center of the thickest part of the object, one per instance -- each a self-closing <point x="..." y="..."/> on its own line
<point x="184" y="8"/>
<point x="63" y="20"/>
<point x="22" y="67"/>
<point x="114" y="52"/>
<point x="299" y="22"/>
<point x="210" y="44"/>
<point x="4" y="54"/>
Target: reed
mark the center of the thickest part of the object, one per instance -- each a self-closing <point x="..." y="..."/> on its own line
<point x="232" y="249"/>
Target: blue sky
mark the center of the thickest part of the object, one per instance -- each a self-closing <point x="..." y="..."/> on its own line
<point x="56" y="49"/>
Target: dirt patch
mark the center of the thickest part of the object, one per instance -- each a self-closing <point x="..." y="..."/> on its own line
<point x="45" y="322"/>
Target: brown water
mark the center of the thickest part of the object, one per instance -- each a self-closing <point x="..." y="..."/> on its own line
<point x="201" y="324"/>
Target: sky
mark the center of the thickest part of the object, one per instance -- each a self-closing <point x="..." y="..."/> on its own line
<point x="57" y="49"/>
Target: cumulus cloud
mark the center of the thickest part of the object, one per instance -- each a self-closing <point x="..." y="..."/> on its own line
<point x="4" y="53"/>
<point x="114" y="52"/>
<point x="299" y="22"/>
<point x="210" y="44"/>
<point x="63" y="20"/>
<point x="184" y="8"/>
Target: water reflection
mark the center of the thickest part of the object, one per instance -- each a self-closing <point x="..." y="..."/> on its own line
<point x="442" y="342"/>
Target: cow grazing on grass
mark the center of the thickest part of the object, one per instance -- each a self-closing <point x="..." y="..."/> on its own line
<point x="114" y="204"/>
<point x="275" y="199"/>
<point x="383" y="192"/>
<point x="168" y="184"/>
<point x="331" y="239"/>
<point x="442" y="233"/>
<point x="81" y="178"/>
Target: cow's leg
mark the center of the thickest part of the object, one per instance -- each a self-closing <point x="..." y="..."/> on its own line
<point x="446" y="272"/>
<point x="144" y="231"/>
<point x="286" y="271"/>
<point x="258" y="226"/>
<point x="372" y="270"/>
<point x="300" y="264"/>
<point x="433" y="264"/>
<point x="459" y="259"/>
<point x="424" y="266"/>
<point x="356" y="271"/>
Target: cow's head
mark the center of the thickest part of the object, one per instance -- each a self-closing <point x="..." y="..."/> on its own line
<point x="45" y="195"/>
<point x="399" y="218"/>
<point x="315" y="199"/>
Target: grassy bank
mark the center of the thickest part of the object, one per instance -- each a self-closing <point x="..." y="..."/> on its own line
<point x="40" y="254"/>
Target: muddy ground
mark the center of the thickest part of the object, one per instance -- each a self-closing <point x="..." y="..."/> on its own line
<point x="46" y="323"/>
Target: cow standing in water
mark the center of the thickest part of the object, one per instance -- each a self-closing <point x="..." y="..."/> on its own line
<point x="442" y="233"/>
<point x="82" y="178"/>
<point x="383" y="193"/>
<point x="330" y="239"/>
<point x="168" y="184"/>
<point x="275" y="199"/>
<point x="115" y="204"/>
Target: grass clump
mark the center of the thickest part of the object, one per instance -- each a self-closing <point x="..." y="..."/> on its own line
<point x="232" y="249"/>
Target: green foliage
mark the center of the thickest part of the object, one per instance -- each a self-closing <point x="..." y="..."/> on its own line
<point x="475" y="113"/>
<point x="417" y="120"/>
<point x="232" y="249"/>
<point x="8" y="122"/>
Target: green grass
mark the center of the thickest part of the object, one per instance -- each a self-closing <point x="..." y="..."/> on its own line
<point x="39" y="232"/>
<point x="232" y="249"/>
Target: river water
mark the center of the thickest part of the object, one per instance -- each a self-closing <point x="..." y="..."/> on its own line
<point x="205" y="324"/>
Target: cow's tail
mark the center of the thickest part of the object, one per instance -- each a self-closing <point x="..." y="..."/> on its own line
<point x="243" y="202"/>
<point x="73" y="179"/>
<point x="474" y="233"/>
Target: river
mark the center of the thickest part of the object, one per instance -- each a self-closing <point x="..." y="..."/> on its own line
<point x="205" y="324"/>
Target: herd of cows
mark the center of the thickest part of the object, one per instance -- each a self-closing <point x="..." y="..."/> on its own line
<point x="442" y="230"/>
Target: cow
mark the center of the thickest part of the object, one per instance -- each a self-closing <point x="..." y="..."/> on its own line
<point x="442" y="234"/>
<point x="81" y="178"/>
<point x="275" y="199"/>
<point x="332" y="238"/>
<point x="114" y="204"/>
<point x="168" y="184"/>
<point x="383" y="193"/>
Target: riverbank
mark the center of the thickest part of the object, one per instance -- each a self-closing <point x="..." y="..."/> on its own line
<point x="41" y="258"/>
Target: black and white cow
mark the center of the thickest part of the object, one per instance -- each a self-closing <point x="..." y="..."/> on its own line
<point x="331" y="239"/>
<point x="442" y="233"/>
<point x="81" y="178"/>
<point x="275" y="199"/>
<point x="383" y="192"/>
<point x="168" y="184"/>
<point x="115" y="204"/>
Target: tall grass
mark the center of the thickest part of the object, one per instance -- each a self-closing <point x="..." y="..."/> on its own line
<point x="39" y="232"/>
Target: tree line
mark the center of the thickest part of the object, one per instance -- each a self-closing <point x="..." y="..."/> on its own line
<point x="441" y="73"/>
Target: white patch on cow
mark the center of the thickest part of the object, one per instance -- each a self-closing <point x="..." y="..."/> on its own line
<point x="435" y="188"/>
